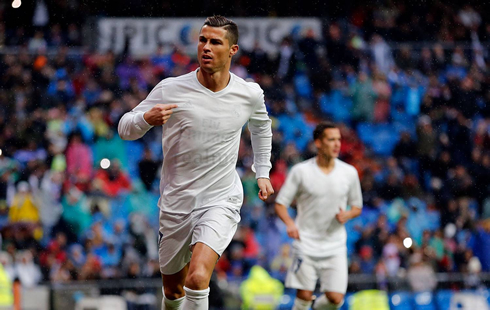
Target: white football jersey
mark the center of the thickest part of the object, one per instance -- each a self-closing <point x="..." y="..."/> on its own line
<point x="200" y="140"/>
<point x="319" y="197"/>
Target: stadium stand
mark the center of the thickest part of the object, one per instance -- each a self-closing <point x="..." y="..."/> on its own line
<point x="412" y="98"/>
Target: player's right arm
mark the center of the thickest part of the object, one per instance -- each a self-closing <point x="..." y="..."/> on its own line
<point x="150" y="112"/>
<point x="285" y="198"/>
<point x="283" y="214"/>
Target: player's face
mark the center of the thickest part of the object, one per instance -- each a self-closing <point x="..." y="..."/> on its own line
<point x="214" y="51"/>
<point x="329" y="144"/>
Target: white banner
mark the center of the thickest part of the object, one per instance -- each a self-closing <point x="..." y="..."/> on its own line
<point x="146" y="34"/>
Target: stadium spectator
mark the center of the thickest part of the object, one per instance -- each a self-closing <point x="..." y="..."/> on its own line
<point x="420" y="275"/>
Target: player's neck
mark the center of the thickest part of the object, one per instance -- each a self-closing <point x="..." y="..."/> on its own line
<point x="215" y="81"/>
<point x="325" y="163"/>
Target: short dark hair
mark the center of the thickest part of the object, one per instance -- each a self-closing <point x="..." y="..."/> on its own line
<point x="229" y="25"/>
<point x="320" y="129"/>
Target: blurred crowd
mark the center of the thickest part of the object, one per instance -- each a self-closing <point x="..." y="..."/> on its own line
<point x="54" y="23"/>
<point x="78" y="203"/>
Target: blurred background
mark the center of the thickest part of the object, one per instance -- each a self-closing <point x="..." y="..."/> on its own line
<point x="407" y="82"/>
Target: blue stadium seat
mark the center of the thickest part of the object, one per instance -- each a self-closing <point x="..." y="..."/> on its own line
<point x="413" y="99"/>
<point x="405" y="123"/>
<point x="326" y="104"/>
<point x="382" y="138"/>
<point x="303" y="86"/>
<point x="134" y="153"/>
<point x="385" y="139"/>
<point x="397" y="99"/>
<point x="401" y="301"/>
<point x="336" y="105"/>
<point x="443" y="299"/>
<point x="353" y="234"/>
<point x="287" y="299"/>
<point x="424" y="301"/>
<point x="345" y="306"/>
<point x="369" y="216"/>
<point x="434" y="220"/>
<point x="366" y="132"/>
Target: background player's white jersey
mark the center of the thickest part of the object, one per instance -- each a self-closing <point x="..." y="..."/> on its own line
<point x="201" y="140"/>
<point x="319" y="197"/>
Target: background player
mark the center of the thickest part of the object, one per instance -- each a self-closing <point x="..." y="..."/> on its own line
<point x="323" y="187"/>
<point x="202" y="114"/>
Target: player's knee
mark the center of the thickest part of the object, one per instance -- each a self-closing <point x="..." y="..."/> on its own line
<point x="197" y="280"/>
<point x="173" y="293"/>
<point x="304" y="295"/>
<point x="335" y="298"/>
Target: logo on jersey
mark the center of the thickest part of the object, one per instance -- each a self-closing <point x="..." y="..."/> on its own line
<point x="187" y="105"/>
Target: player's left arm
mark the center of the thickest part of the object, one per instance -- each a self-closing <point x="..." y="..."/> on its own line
<point x="354" y="199"/>
<point x="259" y="125"/>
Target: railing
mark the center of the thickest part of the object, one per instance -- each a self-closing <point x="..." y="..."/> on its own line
<point x="65" y="295"/>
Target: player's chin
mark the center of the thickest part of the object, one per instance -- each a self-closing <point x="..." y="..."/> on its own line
<point x="207" y="67"/>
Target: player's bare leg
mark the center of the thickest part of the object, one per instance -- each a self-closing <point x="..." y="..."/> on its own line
<point x="329" y="301"/>
<point x="197" y="281"/>
<point x="303" y="300"/>
<point x="173" y="289"/>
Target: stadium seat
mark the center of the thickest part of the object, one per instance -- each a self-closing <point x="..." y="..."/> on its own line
<point x="134" y="151"/>
<point x="336" y="105"/>
<point x="366" y="132"/>
<point x="369" y="216"/>
<point x="347" y="297"/>
<point x="424" y="301"/>
<point x="382" y="138"/>
<point x="287" y="299"/>
<point x="413" y="98"/>
<point x="303" y="86"/>
<point x="385" y="139"/>
<point x="443" y="299"/>
<point x="401" y="301"/>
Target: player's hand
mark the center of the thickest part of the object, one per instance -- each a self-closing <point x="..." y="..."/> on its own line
<point x="159" y="114"/>
<point x="342" y="216"/>
<point x="265" y="187"/>
<point x="292" y="231"/>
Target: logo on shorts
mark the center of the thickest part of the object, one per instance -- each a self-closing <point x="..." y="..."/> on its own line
<point x="233" y="200"/>
<point x="297" y="264"/>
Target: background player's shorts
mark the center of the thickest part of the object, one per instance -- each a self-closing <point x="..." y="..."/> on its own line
<point x="306" y="270"/>
<point x="213" y="226"/>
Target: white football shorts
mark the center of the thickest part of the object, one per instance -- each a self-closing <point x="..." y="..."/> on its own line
<point x="305" y="271"/>
<point x="214" y="226"/>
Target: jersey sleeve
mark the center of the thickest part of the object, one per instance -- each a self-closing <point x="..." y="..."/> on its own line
<point x="290" y="188"/>
<point x="259" y="125"/>
<point x="355" y="193"/>
<point x="132" y="125"/>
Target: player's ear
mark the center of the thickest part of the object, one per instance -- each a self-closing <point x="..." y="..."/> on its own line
<point x="233" y="50"/>
<point x="317" y="143"/>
